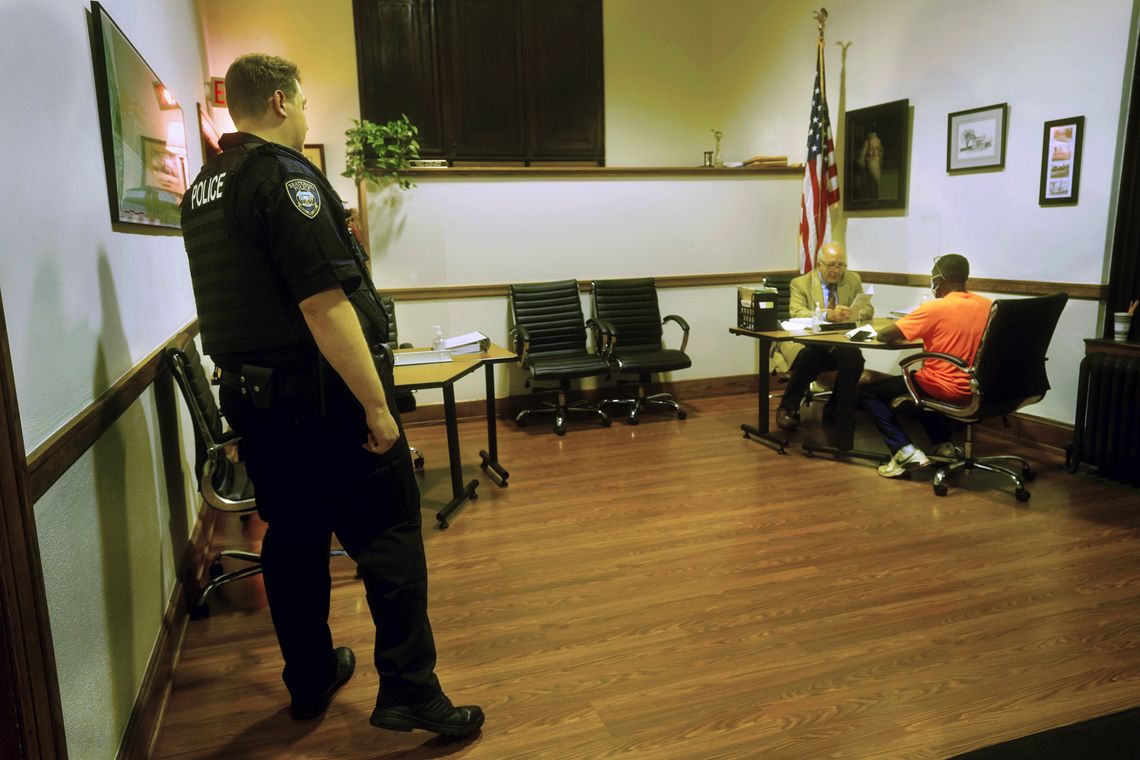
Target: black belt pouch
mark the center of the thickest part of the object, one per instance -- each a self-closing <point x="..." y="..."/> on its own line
<point x="257" y="382"/>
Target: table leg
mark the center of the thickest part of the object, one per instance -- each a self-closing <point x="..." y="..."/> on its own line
<point x="459" y="492"/>
<point x="495" y="471"/>
<point x="761" y="431"/>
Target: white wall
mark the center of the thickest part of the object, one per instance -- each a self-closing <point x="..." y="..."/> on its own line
<point x="84" y="303"/>
<point x="747" y="67"/>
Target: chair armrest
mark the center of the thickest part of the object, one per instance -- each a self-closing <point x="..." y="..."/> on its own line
<point x="956" y="361"/>
<point x="215" y="499"/>
<point x="520" y="340"/>
<point x="605" y="336"/>
<point x="684" y="326"/>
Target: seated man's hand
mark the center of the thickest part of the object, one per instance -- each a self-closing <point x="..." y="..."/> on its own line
<point x="839" y="314"/>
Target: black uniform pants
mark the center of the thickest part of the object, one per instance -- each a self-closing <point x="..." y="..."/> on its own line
<point x="312" y="479"/>
<point x="813" y="360"/>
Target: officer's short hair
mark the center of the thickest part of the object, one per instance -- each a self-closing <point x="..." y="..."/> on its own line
<point x="253" y="78"/>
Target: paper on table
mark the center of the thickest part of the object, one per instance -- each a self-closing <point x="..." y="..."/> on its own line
<point x="468" y="343"/>
<point x="796" y="324"/>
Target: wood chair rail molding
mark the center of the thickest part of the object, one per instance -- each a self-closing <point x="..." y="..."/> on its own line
<point x="603" y="172"/>
<point x="54" y="456"/>
<point x="1084" y="291"/>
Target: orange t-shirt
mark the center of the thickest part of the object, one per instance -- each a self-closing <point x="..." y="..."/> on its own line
<point x="951" y="325"/>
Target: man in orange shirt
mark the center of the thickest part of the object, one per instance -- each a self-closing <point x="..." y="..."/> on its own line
<point x="952" y="324"/>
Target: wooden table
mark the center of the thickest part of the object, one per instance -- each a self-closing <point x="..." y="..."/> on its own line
<point x="443" y="375"/>
<point x="845" y="416"/>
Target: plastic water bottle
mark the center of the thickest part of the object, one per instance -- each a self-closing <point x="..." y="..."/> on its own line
<point x="816" y="318"/>
<point x="437" y="339"/>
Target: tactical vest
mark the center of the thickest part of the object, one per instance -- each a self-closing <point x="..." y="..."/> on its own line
<point x="242" y="305"/>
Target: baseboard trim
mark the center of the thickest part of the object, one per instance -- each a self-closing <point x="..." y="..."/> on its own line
<point x="1028" y="430"/>
<point x="154" y="691"/>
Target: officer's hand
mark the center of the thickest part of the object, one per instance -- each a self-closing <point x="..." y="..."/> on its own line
<point x="839" y="314"/>
<point x="382" y="431"/>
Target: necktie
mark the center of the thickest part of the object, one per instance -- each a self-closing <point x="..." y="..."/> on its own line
<point x="831" y="297"/>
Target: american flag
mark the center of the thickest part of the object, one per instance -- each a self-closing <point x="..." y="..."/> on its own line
<point x="821" y="178"/>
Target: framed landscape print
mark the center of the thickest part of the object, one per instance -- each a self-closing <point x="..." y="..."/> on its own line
<point x="1061" y="161"/>
<point x="875" y="164"/>
<point x="975" y="139"/>
<point x="315" y="152"/>
<point x="144" y="136"/>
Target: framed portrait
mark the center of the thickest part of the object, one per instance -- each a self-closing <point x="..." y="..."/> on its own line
<point x="211" y="135"/>
<point x="1061" y="161"/>
<point x="144" y="135"/>
<point x="876" y="142"/>
<point x="315" y="152"/>
<point x="975" y="139"/>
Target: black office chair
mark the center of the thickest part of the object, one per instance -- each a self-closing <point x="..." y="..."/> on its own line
<point x="221" y="481"/>
<point x="1008" y="373"/>
<point x="405" y="400"/>
<point x="549" y="336"/>
<point x="632" y="331"/>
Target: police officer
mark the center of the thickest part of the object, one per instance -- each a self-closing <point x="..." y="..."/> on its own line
<point x="290" y="317"/>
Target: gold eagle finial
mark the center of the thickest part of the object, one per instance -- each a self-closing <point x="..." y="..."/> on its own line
<point x="820" y="19"/>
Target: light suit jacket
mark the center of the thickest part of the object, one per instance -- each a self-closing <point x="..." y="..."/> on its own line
<point x="807" y="291"/>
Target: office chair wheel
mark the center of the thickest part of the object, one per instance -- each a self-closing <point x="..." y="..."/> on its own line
<point x="1027" y="473"/>
<point x="940" y="489"/>
<point x="520" y="421"/>
<point x="631" y="420"/>
<point x="1021" y="494"/>
<point x="559" y="431"/>
<point x="418" y="463"/>
<point x="607" y="422"/>
<point x="681" y="414"/>
<point x="199" y="611"/>
<point x="215" y="569"/>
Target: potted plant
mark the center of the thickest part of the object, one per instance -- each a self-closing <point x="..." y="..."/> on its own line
<point x="381" y="152"/>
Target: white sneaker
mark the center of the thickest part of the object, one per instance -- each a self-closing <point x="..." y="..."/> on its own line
<point x="905" y="459"/>
<point x="947" y="450"/>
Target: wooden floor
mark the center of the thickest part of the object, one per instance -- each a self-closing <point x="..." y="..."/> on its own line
<point x="672" y="590"/>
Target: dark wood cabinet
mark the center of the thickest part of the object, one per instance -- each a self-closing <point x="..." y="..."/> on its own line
<point x="487" y="80"/>
<point x="397" y="66"/>
<point x="562" y="44"/>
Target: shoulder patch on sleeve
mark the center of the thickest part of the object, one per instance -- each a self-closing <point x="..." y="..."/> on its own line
<point x="305" y="196"/>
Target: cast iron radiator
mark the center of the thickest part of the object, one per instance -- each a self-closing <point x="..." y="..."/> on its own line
<point x="1106" y="431"/>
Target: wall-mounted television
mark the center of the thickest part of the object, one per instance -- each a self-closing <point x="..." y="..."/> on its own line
<point x="144" y="135"/>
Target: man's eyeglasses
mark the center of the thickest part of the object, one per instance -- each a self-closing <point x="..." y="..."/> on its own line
<point x="832" y="265"/>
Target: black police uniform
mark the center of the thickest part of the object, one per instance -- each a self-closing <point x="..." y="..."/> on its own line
<point x="264" y="230"/>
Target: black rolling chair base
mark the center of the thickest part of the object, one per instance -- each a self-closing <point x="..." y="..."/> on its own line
<point x="444" y="515"/>
<point x="561" y="412"/>
<point x="969" y="464"/>
<point x="200" y="607"/>
<point x="638" y="404"/>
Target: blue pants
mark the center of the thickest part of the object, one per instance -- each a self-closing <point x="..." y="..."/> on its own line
<point x="876" y="398"/>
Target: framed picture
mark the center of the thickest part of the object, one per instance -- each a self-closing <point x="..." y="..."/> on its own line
<point x="210" y="133"/>
<point x="1061" y="161"/>
<point x="144" y="136"/>
<point x="875" y="171"/>
<point x="315" y="152"/>
<point x="975" y="139"/>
